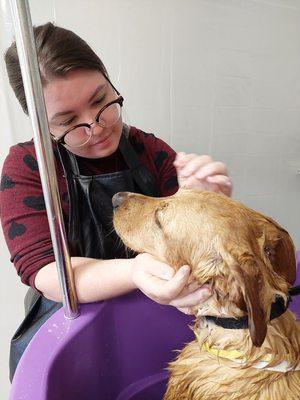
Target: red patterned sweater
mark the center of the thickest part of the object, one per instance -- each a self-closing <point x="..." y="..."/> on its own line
<point x="22" y="208"/>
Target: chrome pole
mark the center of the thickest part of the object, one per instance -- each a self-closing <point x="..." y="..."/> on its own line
<point x="43" y="147"/>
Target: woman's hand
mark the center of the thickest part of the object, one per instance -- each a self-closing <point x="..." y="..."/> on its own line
<point x="162" y="284"/>
<point x="194" y="171"/>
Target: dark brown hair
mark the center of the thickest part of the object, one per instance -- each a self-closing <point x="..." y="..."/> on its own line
<point x="59" y="51"/>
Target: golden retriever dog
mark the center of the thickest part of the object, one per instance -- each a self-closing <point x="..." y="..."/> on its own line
<point x="247" y="345"/>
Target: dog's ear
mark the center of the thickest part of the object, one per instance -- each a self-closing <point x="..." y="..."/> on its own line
<point x="284" y="259"/>
<point x="281" y="252"/>
<point x="246" y="294"/>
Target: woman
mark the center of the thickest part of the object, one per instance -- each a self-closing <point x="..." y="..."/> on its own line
<point x="96" y="156"/>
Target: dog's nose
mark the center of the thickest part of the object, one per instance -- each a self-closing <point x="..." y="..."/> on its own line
<point x="118" y="199"/>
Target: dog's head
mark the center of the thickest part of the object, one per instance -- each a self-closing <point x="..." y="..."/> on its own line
<point x="246" y="257"/>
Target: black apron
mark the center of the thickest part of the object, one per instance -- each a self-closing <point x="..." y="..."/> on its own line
<point x="89" y="201"/>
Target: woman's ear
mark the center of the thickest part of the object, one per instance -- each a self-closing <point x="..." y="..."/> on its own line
<point x="247" y="295"/>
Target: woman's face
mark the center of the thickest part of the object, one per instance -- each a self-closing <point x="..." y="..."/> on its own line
<point x="75" y="99"/>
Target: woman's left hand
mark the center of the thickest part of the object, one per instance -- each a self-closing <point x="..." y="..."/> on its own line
<point x="202" y="172"/>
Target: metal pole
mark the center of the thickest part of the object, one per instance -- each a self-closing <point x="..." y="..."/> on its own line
<point x="43" y="147"/>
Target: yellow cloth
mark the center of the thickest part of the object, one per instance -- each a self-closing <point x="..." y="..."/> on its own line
<point x="231" y="354"/>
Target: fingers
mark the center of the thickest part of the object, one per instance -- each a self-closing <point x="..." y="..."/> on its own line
<point x="158" y="281"/>
<point x="186" y="310"/>
<point x="211" y="168"/>
<point x="172" y="288"/>
<point x="163" y="271"/>
<point x="201" y="172"/>
<point x="146" y="263"/>
<point x="219" y="180"/>
<point x="223" y="183"/>
<point x="192" y="299"/>
<point x="193" y="183"/>
<point x="179" y="159"/>
<point x="189" y="164"/>
<point x="160" y="290"/>
<point x="200" y="166"/>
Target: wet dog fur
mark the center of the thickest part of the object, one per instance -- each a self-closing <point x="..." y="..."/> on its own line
<point x="247" y="258"/>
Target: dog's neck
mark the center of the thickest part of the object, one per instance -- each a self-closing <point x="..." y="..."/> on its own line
<point x="236" y="344"/>
<point x="213" y="307"/>
<point x="278" y="308"/>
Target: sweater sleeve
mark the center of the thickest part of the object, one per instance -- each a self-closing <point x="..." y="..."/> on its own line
<point x="23" y="213"/>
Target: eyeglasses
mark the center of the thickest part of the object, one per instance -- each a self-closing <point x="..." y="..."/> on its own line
<point x="79" y="135"/>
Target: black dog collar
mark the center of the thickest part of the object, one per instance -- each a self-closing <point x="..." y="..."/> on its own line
<point x="277" y="309"/>
<point x="294" y="291"/>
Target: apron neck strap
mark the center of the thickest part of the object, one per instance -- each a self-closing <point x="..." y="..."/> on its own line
<point x="141" y="175"/>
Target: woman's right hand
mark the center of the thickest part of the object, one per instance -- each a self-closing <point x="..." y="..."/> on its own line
<point x="161" y="283"/>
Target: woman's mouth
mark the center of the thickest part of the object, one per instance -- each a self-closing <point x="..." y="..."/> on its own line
<point x="101" y="141"/>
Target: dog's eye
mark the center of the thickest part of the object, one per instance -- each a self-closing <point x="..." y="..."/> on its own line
<point x="157" y="212"/>
<point x="157" y="221"/>
<point x="269" y="252"/>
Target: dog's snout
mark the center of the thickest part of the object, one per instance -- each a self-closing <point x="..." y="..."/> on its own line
<point x="118" y="199"/>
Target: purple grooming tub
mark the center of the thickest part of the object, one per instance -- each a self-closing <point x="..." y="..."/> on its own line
<point x="116" y="350"/>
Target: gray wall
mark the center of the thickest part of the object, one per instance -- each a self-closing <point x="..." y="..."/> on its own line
<point x="219" y="77"/>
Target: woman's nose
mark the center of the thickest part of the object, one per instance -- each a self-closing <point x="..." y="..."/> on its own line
<point x="96" y="129"/>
